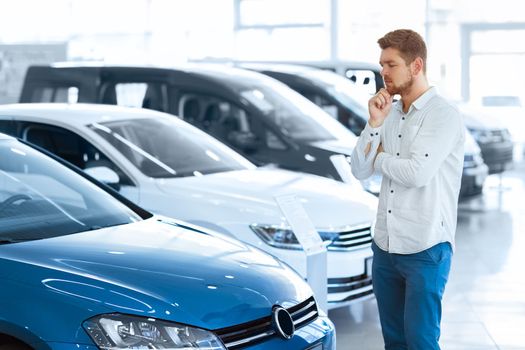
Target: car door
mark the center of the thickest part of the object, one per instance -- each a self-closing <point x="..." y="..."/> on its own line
<point x="76" y="150"/>
<point x="235" y="126"/>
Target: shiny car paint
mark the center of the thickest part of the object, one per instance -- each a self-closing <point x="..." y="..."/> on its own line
<point x="154" y="267"/>
<point x="229" y="202"/>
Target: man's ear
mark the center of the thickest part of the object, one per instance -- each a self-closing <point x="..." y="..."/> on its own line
<point x="417" y="65"/>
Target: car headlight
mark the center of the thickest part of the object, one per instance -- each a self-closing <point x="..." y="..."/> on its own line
<point x="284" y="237"/>
<point x="117" y="331"/>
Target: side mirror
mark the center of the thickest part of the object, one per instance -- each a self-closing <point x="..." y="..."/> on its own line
<point x="245" y="140"/>
<point x="105" y="175"/>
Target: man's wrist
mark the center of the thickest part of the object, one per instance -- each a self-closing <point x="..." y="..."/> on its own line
<point x="378" y="161"/>
<point x="374" y="124"/>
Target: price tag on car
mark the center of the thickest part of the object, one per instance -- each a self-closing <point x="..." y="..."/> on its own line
<point x="301" y="224"/>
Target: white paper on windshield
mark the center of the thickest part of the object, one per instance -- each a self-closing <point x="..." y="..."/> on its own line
<point x="343" y="168"/>
<point x="300" y="223"/>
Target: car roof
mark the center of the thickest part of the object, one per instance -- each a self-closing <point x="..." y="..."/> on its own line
<point x="279" y="67"/>
<point x="84" y="114"/>
<point x="222" y="74"/>
<point x="324" y="64"/>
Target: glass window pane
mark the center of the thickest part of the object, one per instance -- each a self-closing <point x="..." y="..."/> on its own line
<point x="279" y="12"/>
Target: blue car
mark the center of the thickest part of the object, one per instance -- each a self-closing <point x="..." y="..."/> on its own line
<point x="83" y="268"/>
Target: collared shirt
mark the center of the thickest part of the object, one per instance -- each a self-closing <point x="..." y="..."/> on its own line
<point x="421" y="166"/>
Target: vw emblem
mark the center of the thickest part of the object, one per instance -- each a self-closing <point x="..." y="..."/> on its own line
<point x="282" y="322"/>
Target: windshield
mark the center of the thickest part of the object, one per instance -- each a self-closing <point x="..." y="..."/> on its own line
<point x="40" y="198"/>
<point x="294" y="115"/>
<point x="343" y="90"/>
<point x="167" y="147"/>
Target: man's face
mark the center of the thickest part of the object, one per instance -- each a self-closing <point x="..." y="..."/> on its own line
<point x="395" y="72"/>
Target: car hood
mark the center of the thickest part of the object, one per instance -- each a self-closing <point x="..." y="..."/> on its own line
<point x="156" y="269"/>
<point x="248" y="196"/>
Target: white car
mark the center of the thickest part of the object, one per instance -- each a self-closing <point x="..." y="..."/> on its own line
<point x="170" y="167"/>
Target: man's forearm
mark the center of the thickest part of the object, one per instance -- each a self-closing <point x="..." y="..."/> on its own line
<point x="368" y="148"/>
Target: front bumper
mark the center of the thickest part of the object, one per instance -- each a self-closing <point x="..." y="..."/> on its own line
<point x="318" y="335"/>
<point x="349" y="278"/>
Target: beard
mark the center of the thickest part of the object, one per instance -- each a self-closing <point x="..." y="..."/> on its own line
<point x="400" y="89"/>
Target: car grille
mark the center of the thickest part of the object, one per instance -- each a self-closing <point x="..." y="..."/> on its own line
<point x="253" y="332"/>
<point x="499" y="136"/>
<point x="349" y="238"/>
<point x="358" y="286"/>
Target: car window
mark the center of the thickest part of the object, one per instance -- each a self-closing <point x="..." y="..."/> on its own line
<point x="71" y="147"/>
<point x="148" y="95"/>
<point x="225" y="121"/>
<point x="67" y="94"/>
<point x="364" y="79"/>
<point x="295" y="116"/>
<point x="327" y="106"/>
<point x="7" y="127"/>
<point x="40" y="198"/>
<point x="176" y="150"/>
<point x="352" y="101"/>
<point x="345" y="116"/>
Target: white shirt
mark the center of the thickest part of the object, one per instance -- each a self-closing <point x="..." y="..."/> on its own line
<point x="422" y="164"/>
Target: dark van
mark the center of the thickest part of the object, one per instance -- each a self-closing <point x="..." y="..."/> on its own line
<point x="258" y="116"/>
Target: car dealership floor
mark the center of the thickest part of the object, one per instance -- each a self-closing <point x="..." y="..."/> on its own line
<point x="484" y="304"/>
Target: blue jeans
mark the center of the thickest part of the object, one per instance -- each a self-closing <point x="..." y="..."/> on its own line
<point x="408" y="290"/>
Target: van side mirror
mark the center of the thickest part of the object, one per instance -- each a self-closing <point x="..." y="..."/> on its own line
<point x="105" y="175"/>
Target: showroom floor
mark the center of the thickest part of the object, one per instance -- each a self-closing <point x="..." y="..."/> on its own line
<point x="484" y="303"/>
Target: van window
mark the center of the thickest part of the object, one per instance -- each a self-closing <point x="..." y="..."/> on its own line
<point x="131" y="95"/>
<point x="363" y="78"/>
<point x="215" y="116"/>
<point x="67" y="94"/>
<point x="137" y="94"/>
<point x="226" y="121"/>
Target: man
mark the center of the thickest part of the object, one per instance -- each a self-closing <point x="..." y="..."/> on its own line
<point x="417" y="145"/>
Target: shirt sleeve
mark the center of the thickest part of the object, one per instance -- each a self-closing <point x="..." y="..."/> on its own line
<point x="363" y="165"/>
<point x="439" y="134"/>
